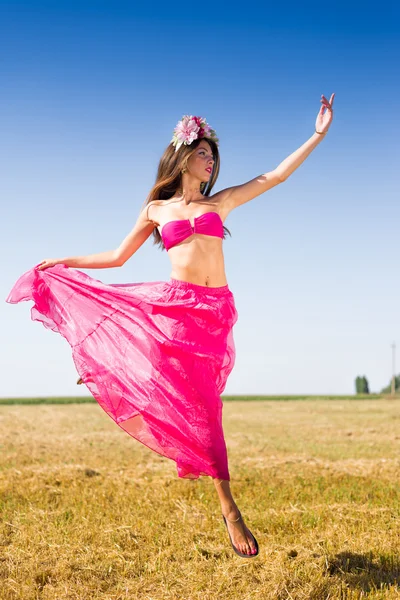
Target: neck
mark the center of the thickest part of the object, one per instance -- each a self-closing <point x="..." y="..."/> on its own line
<point x="190" y="190"/>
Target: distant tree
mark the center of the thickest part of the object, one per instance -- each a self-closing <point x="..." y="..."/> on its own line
<point x="388" y="388"/>
<point x="362" y="386"/>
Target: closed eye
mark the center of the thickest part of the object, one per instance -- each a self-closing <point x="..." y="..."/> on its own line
<point x="204" y="153"/>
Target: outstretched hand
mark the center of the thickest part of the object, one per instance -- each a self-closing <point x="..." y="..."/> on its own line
<point x="48" y="262"/>
<point x="325" y="115"/>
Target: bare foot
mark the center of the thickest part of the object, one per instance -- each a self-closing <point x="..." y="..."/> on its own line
<point x="240" y="534"/>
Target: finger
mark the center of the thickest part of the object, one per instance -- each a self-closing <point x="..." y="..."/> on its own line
<point x="330" y="103"/>
<point x="327" y="106"/>
<point x="325" y="101"/>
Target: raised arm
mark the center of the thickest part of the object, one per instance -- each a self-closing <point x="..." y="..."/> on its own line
<point x="239" y="194"/>
<point x="111" y="258"/>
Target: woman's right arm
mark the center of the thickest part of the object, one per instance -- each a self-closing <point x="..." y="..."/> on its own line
<point x="112" y="258"/>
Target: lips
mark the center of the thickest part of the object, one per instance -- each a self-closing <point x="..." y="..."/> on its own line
<point x="209" y="169"/>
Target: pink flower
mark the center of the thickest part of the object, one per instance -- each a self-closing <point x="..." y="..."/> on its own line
<point x="207" y="130"/>
<point x="186" y="131"/>
<point x="191" y="128"/>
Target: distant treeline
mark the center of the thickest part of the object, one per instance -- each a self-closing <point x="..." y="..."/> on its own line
<point x="362" y="386"/>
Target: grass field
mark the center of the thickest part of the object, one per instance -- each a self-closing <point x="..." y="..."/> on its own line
<point x="88" y="513"/>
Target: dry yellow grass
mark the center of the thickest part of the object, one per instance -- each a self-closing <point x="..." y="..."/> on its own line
<point x="89" y="513"/>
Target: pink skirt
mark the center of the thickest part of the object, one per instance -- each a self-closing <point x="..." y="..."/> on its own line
<point x="156" y="356"/>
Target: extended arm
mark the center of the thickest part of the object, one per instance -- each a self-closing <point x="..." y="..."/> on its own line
<point x="237" y="195"/>
<point x="294" y="160"/>
<point x="111" y="258"/>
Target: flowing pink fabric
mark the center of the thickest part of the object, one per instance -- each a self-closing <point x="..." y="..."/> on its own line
<point x="156" y="356"/>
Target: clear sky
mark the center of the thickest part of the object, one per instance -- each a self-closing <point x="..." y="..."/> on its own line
<point x="91" y="92"/>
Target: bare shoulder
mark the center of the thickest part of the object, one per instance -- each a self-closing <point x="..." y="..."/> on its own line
<point x="219" y="201"/>
<point x="151" y="211"/>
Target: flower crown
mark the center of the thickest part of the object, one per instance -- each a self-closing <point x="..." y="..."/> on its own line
<point x="192" y="128"/>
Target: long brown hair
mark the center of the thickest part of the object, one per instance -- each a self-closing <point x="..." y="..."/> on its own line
<point x="169" y="176"/>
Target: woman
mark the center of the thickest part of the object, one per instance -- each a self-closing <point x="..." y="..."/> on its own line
<point x="157" y="355"/>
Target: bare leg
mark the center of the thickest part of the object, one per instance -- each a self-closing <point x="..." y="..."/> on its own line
<point x="240" y="534"/>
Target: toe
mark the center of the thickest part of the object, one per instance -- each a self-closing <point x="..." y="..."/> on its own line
<point x="253" y="549"/>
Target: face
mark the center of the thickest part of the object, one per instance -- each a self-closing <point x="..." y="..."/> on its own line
<point x="200" y="164"/>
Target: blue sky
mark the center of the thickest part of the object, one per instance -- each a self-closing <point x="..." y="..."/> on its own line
<point x="91" y="92"/>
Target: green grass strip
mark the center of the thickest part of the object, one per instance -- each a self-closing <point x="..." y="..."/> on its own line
<point x="228" y="398"/>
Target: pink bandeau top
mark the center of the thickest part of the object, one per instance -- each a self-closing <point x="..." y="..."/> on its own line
<point x="174" y="232"/>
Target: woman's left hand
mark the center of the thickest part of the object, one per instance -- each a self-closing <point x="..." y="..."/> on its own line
<point x="325" y="115"/>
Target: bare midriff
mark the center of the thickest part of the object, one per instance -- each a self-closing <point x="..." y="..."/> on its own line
<point x="200" y="260"/>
